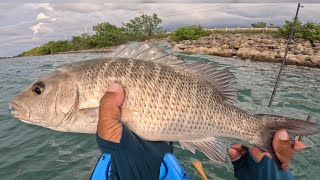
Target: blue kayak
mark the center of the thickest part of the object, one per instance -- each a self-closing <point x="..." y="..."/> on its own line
<point x="170" y="168"/>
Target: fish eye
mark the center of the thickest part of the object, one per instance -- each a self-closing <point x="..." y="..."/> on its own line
<point x="38" y="88"/>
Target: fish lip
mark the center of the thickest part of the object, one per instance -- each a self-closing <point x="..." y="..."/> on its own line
<point x="18" y="112"/>
<point x="14" y="106"/>
<point x="21" y="114"/>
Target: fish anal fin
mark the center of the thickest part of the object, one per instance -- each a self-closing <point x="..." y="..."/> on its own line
<point x="214" y="148"/>
<point x="189" y="146"/>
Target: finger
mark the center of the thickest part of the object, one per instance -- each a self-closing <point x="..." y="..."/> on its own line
<point x="268" y="155"/>
<point x="241" y="149"/>
<point x="285" y="166"/>
<point x="110" y="103"/>
<point x="282" y="148"/>
<point x="114" y="96"/>
<point x="234" y="154"/>
<point x="280" y="135"/>
<point x="258" y="154"/>
<point x="109" y="125"/>
<point x="298" y="145"/>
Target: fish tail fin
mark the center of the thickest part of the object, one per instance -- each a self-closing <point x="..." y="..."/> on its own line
<point x="294" y="127"/>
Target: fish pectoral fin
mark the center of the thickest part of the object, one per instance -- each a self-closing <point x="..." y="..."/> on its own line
<point x="89" y="114"/>
<point x="214" y="148"/>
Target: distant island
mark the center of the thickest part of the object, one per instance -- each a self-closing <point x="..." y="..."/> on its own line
<point x="260" y="42"/>
<point x="6" y="57"/>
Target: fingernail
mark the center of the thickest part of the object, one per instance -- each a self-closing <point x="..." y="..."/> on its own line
<point x="114" y="87"/>
<point x="285" y="166"/>
<point x="283" y="135"/>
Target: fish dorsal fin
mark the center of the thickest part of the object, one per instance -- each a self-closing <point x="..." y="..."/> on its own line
<point x="146" y="52"/>
<point x="150" y="52"/>
<point x="214" y="148"/>
<point x="220" y="78"/>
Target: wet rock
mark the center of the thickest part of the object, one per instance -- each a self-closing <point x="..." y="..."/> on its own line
<point x="273" y="46"/>
<point x="308" y="51"/>
<point x="247" y="53"/>
<point x="315" y="60"/>
<point x="187" y="42"/>
<point x="307" y="44"/>
<point x="256" y="47"/>
<point x="225" y="46"/>
<point x="179" y="47"/>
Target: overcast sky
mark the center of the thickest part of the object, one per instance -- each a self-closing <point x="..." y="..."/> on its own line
<point x="24" y="26"/>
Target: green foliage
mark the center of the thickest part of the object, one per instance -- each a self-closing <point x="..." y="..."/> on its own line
<point x="84" y="41"/>
<point x="106" y="34"/>
<point x="51" y="47"/>
<point x="309" y="30"/>
<point x="259" y="25"/>
<point x="144" y="25"/>
<point x="57" y="46"/>
<point x="160" y="35"/>
<point x="189" y="33"/>
<point x="286" y="29"/>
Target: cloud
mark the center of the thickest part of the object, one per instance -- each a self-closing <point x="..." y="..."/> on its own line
<point x="42" y="16"/>
<point x="42" y="6"/>
<point x="40" y="28"/>
<point x="170" y="1"/>
<point x="54" y="21"/>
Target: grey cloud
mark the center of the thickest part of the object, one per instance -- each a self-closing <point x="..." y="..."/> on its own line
<point x="168" y="1"/>
<point x="74" y="19"/>
<point x="125" y="6"/>
<point x="78" y="8"/>
<point x="260" y="10"/>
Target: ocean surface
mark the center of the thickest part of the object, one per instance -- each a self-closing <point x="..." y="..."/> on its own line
<point x="32" y="152"/>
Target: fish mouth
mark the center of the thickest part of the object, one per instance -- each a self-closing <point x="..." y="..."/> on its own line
<point x="18" y="112"/>
<point x="22" y="114"/>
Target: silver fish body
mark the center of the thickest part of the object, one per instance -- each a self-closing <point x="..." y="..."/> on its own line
<point x="161" y="103"/>
<point x="166" y="99"/>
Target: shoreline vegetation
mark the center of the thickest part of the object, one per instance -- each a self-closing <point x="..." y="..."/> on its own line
<point x="257" y="43"/>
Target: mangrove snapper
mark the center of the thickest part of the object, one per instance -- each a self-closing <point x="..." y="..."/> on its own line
<point x="166" y="99"/>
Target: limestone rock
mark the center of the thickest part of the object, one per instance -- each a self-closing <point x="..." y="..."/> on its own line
<point x="259" y="47"/>
<point x="179" y="47"/>
<point x="247" y="53"/>
<point x="225" y="46"/>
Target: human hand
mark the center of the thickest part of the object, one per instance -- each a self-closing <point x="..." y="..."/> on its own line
<point x="281" y="146"/>
<point x="109" y="125"/>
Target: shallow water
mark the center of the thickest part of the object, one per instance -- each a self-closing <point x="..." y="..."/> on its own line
<point x="31" y="152"/>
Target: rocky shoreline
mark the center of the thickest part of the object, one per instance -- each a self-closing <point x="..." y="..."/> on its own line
<point x="100" y="50"/>
<point x="254" y="47"/>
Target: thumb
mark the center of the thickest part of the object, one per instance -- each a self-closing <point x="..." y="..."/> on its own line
<point x="113" y="97"/>
<point x="109" y="125"/>
<point x="283" y="148"/>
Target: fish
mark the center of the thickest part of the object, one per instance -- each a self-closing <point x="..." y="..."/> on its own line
<point x="166" y="99"/>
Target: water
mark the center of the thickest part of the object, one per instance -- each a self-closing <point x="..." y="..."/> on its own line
<point x="31" y="152"/>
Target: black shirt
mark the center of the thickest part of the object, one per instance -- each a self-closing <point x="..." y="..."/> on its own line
<point x="133" y="157"/>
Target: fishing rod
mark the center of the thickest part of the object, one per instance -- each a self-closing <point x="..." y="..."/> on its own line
<point x="283" y="63"/>
<point x="285" y="56"/>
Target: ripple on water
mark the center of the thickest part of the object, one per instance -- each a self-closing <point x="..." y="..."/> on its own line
<point x="31" y="152"/>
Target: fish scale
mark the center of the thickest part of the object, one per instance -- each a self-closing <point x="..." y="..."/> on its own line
<point x="166" y="99"/>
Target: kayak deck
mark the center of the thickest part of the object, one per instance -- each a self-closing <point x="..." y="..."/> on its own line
<point x="170" y="168"/>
